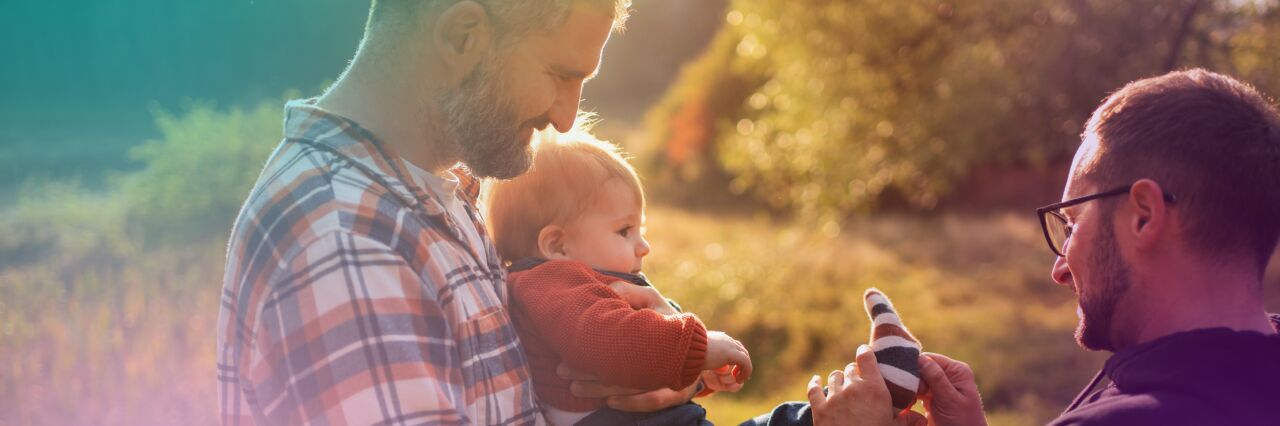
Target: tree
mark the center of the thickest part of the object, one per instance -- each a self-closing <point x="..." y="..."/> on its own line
<point x="851" y="103"/>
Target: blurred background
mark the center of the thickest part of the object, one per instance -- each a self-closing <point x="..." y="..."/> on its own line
<point x="798" y="151"/>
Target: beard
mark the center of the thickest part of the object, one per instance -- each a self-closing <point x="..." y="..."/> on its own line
<point x="481" y="123"/>
<point x="1107" y="284"/>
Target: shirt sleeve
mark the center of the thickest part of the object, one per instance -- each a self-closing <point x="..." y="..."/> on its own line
<point x="348" y="334"/>
<point x="595" y="331"/>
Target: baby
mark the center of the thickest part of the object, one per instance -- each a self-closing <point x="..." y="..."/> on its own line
<point x="572" y="230"/>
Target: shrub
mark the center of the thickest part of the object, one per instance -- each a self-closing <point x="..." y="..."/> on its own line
<point x="851" y="104"/>
<point x="199" y="172"/>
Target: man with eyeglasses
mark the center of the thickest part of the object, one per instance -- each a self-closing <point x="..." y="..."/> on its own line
<point x="1171" y="214"/>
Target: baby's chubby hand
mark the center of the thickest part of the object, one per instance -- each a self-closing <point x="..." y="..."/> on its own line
<point x="723" y="379"/>
<point x="725" y="351"/>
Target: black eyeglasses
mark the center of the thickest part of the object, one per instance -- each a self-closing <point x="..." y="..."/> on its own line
<point x="1056" y="228"/>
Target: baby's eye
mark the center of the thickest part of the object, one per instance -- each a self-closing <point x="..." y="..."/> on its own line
<point x="624" y="230"/>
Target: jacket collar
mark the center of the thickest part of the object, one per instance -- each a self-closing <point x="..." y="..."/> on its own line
<point x="1166" y="359"/>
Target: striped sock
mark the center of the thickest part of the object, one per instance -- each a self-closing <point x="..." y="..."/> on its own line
<point x="897" y="351"/>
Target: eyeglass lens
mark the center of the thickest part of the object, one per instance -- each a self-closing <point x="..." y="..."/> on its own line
<point x="1058" y="230"/>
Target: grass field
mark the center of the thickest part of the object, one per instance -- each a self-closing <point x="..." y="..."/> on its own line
<point x="972" y="287"/>
<point x="95" y="329"/>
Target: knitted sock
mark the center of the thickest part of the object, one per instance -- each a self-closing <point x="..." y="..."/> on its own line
<point x="897" y="351"/>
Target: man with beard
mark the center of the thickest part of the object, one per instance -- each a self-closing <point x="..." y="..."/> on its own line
<point x="1170" y="217"/>
<point x="360" y="286"/>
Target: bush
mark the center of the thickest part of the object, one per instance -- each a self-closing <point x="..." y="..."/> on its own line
<point x="854" y="103"/>
<point x="199" y="172"/>
<point x="98" y="328"/>
<point x="680" y="157"/>
<point x="62" y="225"/>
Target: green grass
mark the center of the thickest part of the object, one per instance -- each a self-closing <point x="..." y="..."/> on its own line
<point x="976" y="288"/>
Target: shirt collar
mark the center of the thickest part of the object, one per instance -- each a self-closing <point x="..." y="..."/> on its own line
<point x="306" y="121"/>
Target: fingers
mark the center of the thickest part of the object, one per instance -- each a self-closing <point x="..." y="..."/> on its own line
<point x="722" y="379"/>
<point x="835" y="382"/>
<point x="940" y="358"/>
<point x="565" y="372"/>
<point x="652" y="400"/>
<point x="868" y="368"/>
<point x="958" y="371"/>
<point x="954" y="369"/>
<point x="729" y="379"/>
<point x="742" y="372"/>
<point x="816" y="397"/>
<point x="737" y="358"/>
<point x="635" y="403"/>
<point x="628" y="294"/>
<point x="936" y="378"/>
<point x="599" y="390"/>
<point x="640" y="297"/>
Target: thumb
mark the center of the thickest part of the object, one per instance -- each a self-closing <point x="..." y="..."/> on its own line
<point x="623" y="289"/>
<point x="939" y="385"/>
<point x="564" y="371"/>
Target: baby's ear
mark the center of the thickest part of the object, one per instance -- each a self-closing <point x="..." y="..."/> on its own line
<point x="551" y="242"/>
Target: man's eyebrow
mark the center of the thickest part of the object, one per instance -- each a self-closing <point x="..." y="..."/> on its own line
<point x="572" y="73"/>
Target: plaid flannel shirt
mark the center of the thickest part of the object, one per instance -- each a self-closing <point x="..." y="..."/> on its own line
<point x="350" y="298"/>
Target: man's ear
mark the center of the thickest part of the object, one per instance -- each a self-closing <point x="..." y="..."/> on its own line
<point x="462" y="36"/>
<point x="1150" y="216"/>
<point x="551" y="242"/>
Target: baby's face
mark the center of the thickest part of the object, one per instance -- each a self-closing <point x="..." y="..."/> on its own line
<point x="609" y="235"/>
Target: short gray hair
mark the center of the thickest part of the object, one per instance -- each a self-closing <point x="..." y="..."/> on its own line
<point x="512" y="19"/>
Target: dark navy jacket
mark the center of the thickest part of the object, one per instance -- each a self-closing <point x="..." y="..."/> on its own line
<point x="1200" y="377"/>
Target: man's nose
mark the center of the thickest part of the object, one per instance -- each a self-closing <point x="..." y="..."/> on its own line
<point x="565" y="109"/>
<point x="1060" y="273"/>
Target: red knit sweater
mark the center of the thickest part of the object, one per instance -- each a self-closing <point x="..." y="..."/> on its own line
<point x="565" y="311"/>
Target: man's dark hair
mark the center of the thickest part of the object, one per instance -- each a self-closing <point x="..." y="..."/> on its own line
<point x="1210" y="140"/>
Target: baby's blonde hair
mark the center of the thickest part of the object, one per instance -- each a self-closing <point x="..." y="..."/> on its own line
<point x="568" y="174"/>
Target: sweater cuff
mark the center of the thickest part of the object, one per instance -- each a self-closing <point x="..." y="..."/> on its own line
<point x="697" y="356"/>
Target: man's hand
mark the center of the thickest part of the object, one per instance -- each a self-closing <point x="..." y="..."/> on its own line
<point x="621" y="398"/>
<point x="643" y="297"/>
<point x="952" y="397"/>
<point x="652" y="400"/>
<point x="857" y="395"/>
